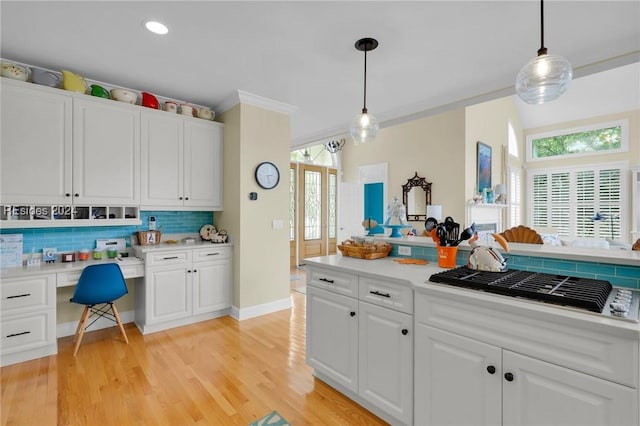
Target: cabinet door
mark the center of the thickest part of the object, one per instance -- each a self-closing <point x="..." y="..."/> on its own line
<point x="386" y="360"/>
<point x="106" y="152"/>
<point x="211" y="286"/>
<point x="454" y="382"/>
<point x="332" y="336"/>
<point x="545" y="394"/>
<point x="168" y="294"/>
<point x="203" y="164"/>
<point x="162" y="159"/>
<point x="35" y="145"/>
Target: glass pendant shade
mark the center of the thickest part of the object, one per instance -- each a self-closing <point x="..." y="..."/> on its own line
<point x="364" y="128"/>
<point x="543" y="79"/>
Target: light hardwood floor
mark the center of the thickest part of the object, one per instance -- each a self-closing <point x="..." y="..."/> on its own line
<point x="218" y="372"/>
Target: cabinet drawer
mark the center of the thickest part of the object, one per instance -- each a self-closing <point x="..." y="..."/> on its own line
<point x="167" y="258"/>
<point x="387" y="294"/>
<point x="66" y="279"/>
<point x="22" y="332"/>
<point x="30" y="293"/>
<point x="337" y="282"/>
<point x="211" y="253"/>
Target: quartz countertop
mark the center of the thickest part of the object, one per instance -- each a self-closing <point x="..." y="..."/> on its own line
<point x="56" y="267"/>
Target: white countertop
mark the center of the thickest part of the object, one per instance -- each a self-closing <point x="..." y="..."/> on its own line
<point x="180" y="245"/>
<point x="417" y="276"/>
<point x="56" y="267"/>
<point x="612" y="256"/>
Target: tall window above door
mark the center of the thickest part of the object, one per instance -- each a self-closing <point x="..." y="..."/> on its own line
<point x="598" y="139"/>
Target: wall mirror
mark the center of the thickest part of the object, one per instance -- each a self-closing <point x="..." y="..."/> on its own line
<point x="416" y="195"/>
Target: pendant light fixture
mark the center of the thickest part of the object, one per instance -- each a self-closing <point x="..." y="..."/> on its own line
<point x="364" y="127"/>
<point x="545" y="77"/>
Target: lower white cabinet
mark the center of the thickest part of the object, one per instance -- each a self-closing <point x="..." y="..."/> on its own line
<point x="364" y="349"/>
<point x="460" y="380"/>
<point x="182" y="287"/>
<point x="28" y="318"/>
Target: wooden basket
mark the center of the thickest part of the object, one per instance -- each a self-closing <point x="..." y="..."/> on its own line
<point x="350" y="248"/>
<point x="146" y="238"/>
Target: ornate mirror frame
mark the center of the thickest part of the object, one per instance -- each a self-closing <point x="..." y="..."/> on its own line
<point x="416" y="182"/>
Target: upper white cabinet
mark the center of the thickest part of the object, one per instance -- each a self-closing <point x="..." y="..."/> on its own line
<point x="62" y="148"/>
<point x="106" y="152"/>
<point x="35" y="145"/>
<point x="181" y="162"/>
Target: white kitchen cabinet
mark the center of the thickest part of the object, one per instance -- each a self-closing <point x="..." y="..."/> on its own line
<point x="36" y="143"/>
<point x="635" y="203"/>
<point x="332" y="336"/>
<point x="106" y="152"/>
<point x="476" y="365"/>
<point x="385" y="356"/>
<point x="28" y="318"/>
<point x="182" y="286"/>
<point x="360" y="340"/>
<point x="181" y="162"/>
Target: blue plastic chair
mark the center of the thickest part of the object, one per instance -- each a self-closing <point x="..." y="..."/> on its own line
<point x="101" y="285"/>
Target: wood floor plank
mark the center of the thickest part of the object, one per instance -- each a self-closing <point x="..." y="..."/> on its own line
<point x="217" y="372"/>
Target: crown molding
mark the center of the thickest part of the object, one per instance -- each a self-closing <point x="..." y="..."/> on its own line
<point x="242" y="97"/>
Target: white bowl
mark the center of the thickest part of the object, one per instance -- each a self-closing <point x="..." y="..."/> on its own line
<point x="124" y="95"/>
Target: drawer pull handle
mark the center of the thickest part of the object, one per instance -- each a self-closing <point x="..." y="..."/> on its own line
<point x="18" y="334"/>
<point x="19" y="295"/>
<point x="326" y="280"/>
<point x="377" y="293"/>
<point x="169" y="258"/>
<point x="212" y="254"/>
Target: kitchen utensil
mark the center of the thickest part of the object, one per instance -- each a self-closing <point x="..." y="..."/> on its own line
<point x="124" y="95"/>
<point x="441" y="232"/>
<point x="466" y="234"/>
<point x="430" y="223"/>
<point x="73" y="82"/>
<point x="45" y="77"/>
<point x="15" y="71"/>
<point x="149" y="101"/>
<point x="99" y="91"/>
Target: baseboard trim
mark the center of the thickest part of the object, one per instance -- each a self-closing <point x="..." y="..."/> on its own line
<point x="69" y="328"/>
<point x="258" y="310"/>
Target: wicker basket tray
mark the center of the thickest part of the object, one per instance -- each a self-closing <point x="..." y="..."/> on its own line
<point x="146" y="238"/>
<point x="364" y="250"/>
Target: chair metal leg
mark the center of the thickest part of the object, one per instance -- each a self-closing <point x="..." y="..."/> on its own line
<point x="117" y="315"/>
<point x="80" y="330"/>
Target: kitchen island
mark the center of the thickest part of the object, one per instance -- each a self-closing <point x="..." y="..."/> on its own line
<point x="417" y="352"/>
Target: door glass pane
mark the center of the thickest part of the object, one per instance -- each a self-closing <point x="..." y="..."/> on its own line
<point x="333" y="188"/>
<point x="292" y="204"/>
<point x="312" y="205"/>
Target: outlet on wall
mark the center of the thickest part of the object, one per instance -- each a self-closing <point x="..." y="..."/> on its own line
<point x="404" y="250"/>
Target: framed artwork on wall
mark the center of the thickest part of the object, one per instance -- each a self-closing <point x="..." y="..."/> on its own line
<point x="484" y="167"/>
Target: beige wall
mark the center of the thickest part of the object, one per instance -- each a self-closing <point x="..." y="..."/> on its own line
<point x="431" y="146"/>
<point x="261" y="255"/>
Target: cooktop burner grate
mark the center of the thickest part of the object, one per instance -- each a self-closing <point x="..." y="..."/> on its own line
<point x="584" y="293"/>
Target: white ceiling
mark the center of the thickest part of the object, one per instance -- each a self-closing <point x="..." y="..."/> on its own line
<point x="433" y="55"/>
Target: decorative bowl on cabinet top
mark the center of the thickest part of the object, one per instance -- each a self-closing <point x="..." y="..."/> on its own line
<point x="124" y="95"/>
<point x="74" y="82"/>
<point x="15" y="71"/>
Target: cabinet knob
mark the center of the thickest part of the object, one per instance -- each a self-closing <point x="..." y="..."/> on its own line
<point x="76" y="195"/>
<point x="405" y="331"/>
<point x="188" y="271"/>
<point x="179" y="198"/>
<point x="508" y="377"/>
<point x="491" y="369"/>
<point x="353" y="314"/>
<point x="186" y="198"/>
<point x="195" y="270"/>
<point x="67" y="195"/>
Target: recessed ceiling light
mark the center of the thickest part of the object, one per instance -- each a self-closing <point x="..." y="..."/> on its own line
<point x="156" y="27"/>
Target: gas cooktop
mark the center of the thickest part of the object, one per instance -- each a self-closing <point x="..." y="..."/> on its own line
<point x="585" y="294"/>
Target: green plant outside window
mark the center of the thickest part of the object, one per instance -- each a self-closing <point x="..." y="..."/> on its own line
<point x="578" y="143"/>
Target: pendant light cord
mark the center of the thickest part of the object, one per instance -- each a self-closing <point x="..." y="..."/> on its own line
<point x="542" y="50"/>
<point x="364" y="103"/>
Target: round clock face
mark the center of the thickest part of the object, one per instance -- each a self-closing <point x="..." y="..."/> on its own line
<point x="267" y="175"/>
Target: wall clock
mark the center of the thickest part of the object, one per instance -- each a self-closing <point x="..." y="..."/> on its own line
<point x="267" y="175"/>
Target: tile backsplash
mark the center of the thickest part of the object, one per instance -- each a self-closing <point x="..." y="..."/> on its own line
<point x="76" y="238"/>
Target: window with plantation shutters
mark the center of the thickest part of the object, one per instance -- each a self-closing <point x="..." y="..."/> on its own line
<point x="568" y="200"/>
<point x="514" y="199"/>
